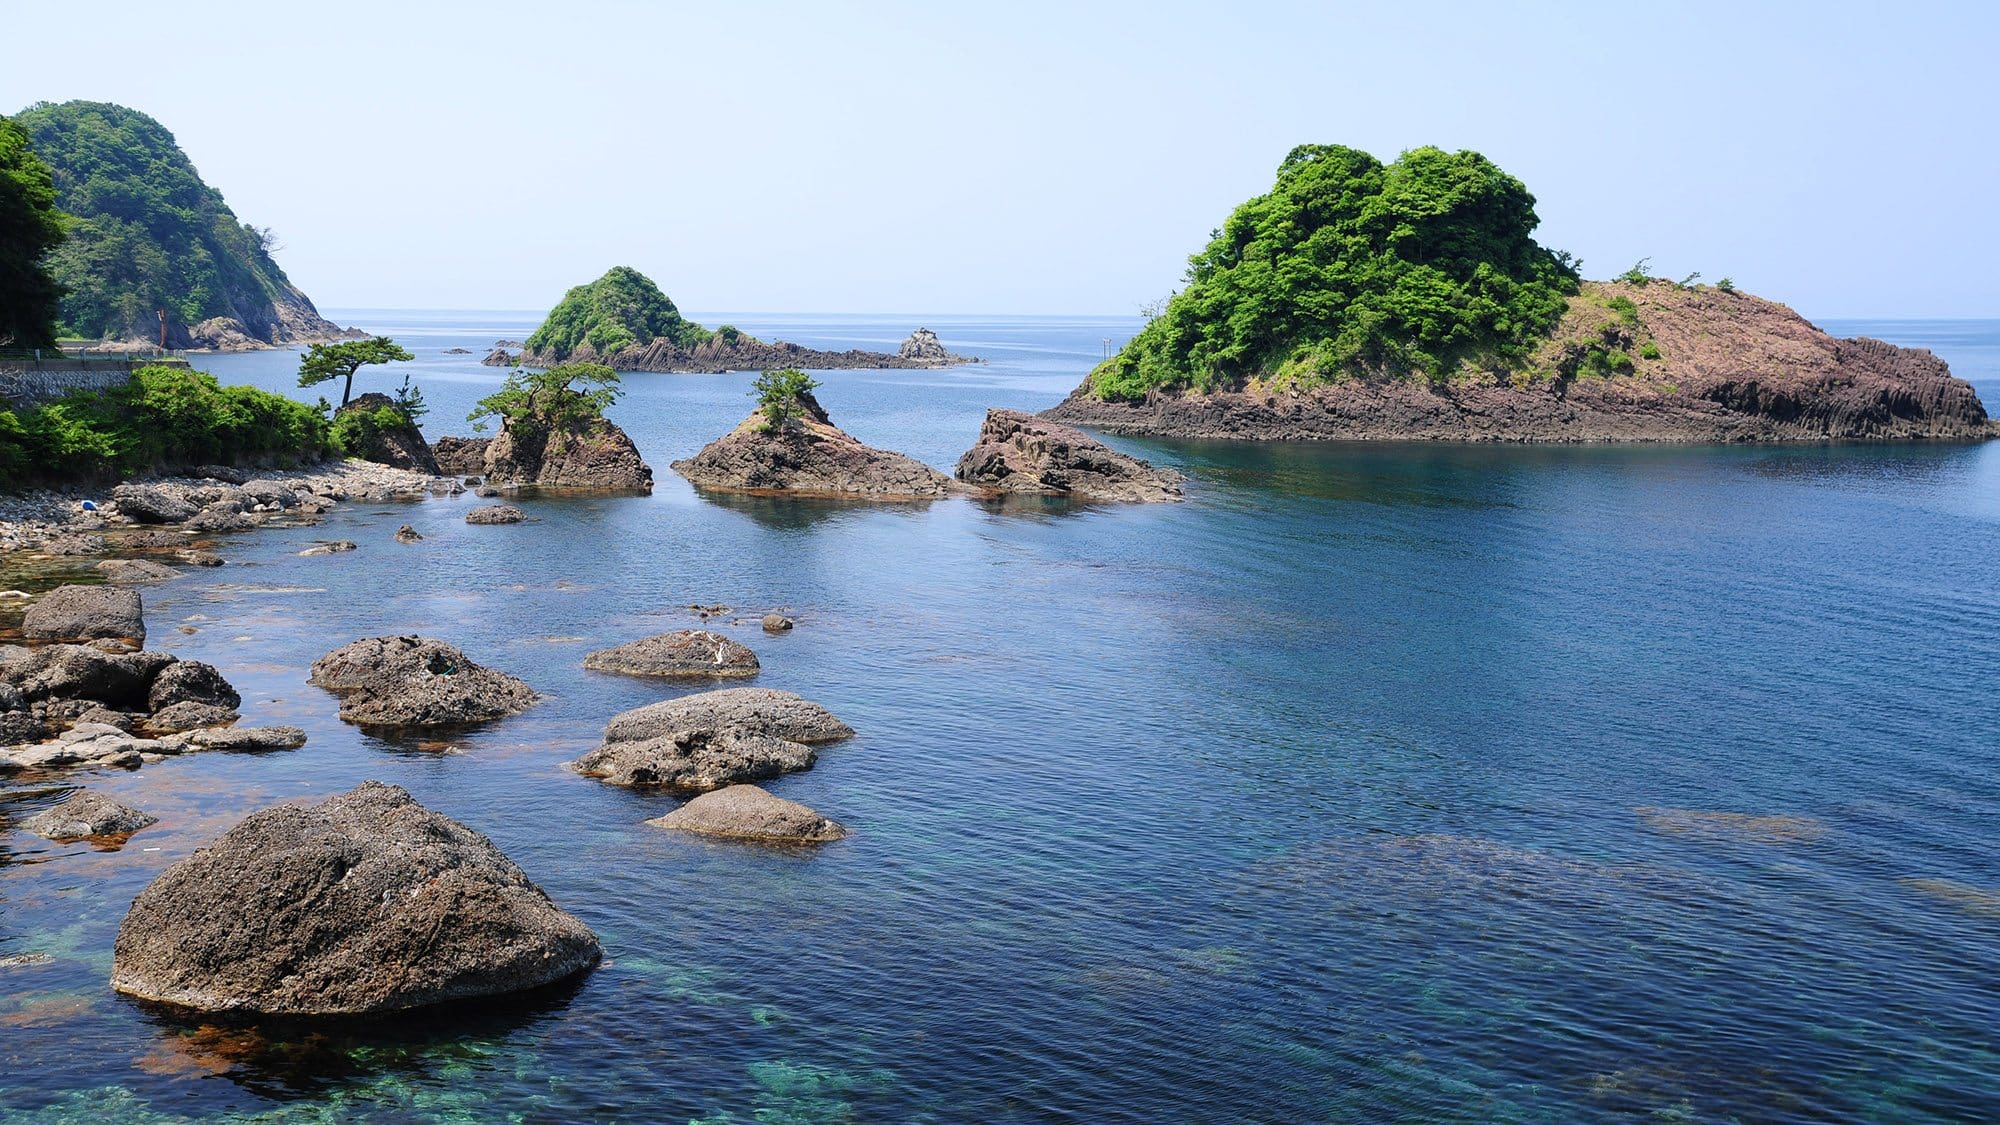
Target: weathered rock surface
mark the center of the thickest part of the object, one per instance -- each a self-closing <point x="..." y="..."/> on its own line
<point x="190" y="681"/>
<point x="1021" y="453"/>
<point x="151" y="504"/>
<point x="780" y="714"/>
<point x="82" y="613"/>
<point x="191" y="715"/>
<point x="412" y="681"/>
<point x="706" y="741"/>
<point x="747" y="812"/>
<point x="86" y="813"/>
<point x="495" y="514"/>
<point x="330" y="547"/>
<point x="366" y="903"/>
<point x="242" y="740"/>
<point x="135" y="571"/>
<point x="408" y="534"/>
<point x="501" y="357"/>
<point x="401" y="446"/>
<point x="1730" y="367"/>
<point x="598" y="455"/>
<point x="777" y="623"/>
<point x="924" y="347"/>
<point x="684" y="652"/>
<point x="810" y="457"/>
<point x="461" y="456"/>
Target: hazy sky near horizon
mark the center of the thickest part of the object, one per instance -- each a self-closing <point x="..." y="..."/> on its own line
<point x="1040" y="158"/>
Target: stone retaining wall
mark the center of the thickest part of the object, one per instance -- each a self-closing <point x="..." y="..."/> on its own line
<point x="26" y="383"/>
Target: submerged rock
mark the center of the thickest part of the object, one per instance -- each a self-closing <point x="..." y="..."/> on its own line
<point x="495" y="514"/>
<point x="330" y="547"/>
<point x="810" y="456"/>
<point x="711" y="739"/>
<point x="777" y="623"/>
<point x="86" y="813"/>
<point x="412" y="681"/>
<point x="82" y="613"/>
<point x="1021" y="453"/>
<point x="368" y="902"/>
<point x="747" y="812"/>
<point x="684" y="652"/>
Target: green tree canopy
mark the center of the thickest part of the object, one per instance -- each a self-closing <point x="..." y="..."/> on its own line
<point x="1349" y="267"/>
<point x="30" y="227"/>
<point x="617" y="310"/>
<point x="568" y="397"/>
<point x="147" y="234"/>
<point x="781" y="396"/>
<point x="323" y="362"/>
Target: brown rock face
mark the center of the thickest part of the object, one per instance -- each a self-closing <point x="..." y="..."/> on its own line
<point x="811" y="457"/>
<point x="599" y="456"/>
<point x="416" y="682"/>
<point x="1730" y="368"/>
<point x="367" y="902"/>
<point x="747" y="812"/>
<point x="461" y="456"/>
<point x="690" y="653"/>
<point x="1020" y="453"/>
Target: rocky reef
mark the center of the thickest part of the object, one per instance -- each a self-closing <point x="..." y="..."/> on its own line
<point x="809" y="456"/>
<point x="1629" y="362"/>
<point x="923" y="346"/>
<point x="712" y="739"/>
<point x="411" y="681"/>
<point x="683" y="653"/>
<point x="365" y="903"/>
<point x="1019" y="453"/>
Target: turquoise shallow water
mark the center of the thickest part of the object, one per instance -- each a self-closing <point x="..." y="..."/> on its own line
<point x="1362" y="785"/>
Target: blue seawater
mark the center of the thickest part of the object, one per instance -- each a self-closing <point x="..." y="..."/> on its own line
<point x="1373" y="782"/>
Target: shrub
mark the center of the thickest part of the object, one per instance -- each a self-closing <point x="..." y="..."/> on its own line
<point x="1626" y="310"/>
<point x="1649" y="350"/>
<point x="778" y="394"/>
<point x="1637" y="275"/>
<point x="1726" y="285"/>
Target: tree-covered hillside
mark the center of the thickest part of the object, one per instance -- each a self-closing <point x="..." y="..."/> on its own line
<point x="146" y="234"/>
<point x="30" y="227"/>
<point x="617" y="310"/>
<point x="1352" y="268"/>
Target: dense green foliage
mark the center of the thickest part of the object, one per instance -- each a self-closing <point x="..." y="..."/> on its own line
<point x="564" y="398"/>
<point x="324" y="362"/>
<point x="779" y="394"/>
<point x="1352" y="268"/>
<point x="146" y="233"/>
<point x="617" y="310"/>
<point x="167" y="416"/>
<point x="30" y="227"/>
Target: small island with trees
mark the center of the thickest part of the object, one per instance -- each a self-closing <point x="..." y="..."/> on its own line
<point x="623" y="321"/>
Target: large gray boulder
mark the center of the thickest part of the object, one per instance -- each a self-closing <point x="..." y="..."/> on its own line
<point x="86" y="813"/>
<point x="495" y="513"/>
<point x="365" y="903"/>
<point x="190" y="681"/>
<point x="145" y="503"/>
<point x="82" y="613"/>
<point x="414" y="681"/>
<point x="130" y="571"/>
<point x="706" y="741"/>
<point x="682" y="653"/>
<point x="747" y="812"/>
<point x="1021" y="453"/>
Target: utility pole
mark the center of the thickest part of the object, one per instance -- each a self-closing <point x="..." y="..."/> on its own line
<point x="163" y="330"/>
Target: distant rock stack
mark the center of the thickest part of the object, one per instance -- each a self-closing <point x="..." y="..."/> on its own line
<point x="810" y="456"/>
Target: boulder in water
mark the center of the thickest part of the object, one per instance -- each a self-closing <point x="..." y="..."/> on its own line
<point x="82" y="613"/>
<point x="86" y="813"/>
<point x="711" y="739"/>
<point x="747" y="812"/>
<point x="495" y="514"/>
<point x="1021" y="453"/>
<point x="365" y="903"/>
<point x="684" y="652"/>
<point x="412" y="681"/>
<point x="809" y="456"/>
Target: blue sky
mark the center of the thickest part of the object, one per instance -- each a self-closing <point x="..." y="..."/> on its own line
<point x="1041" y="158"/>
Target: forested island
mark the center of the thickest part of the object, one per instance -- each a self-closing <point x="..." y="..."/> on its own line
<point x="143" y="236"/>
<point x="623" y="321"/>
<point x="1359" y="299"/>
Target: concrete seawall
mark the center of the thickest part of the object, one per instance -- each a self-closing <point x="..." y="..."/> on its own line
<point x="30" y="382"/>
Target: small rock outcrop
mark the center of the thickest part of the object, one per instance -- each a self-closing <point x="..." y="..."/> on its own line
<point x="924" y="348"/>
<point x="501" y="357"/>
<point x="712" y="739"/>
<point x="688" y="653"/>
<point x="412" y="681"/>
<point x="810" y="456"/>
<point x="135" y="571"/>
<point x="777" y="623"/>
<point x="495" y="514"/>
<point x="747" y="812"/>
<point x="143" y="503"/>
<point x="398" y="443"/>
<point x="408" y="534"/>
<point x="366" y="903"/>
<point x="86" y="813"/>
<point x="83" y="613"/>
<point x="461" y="456"/>
<point x="1021" y="453"/>
<point x="598" y="455"/>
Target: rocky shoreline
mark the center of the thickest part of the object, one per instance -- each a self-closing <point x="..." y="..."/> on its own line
<point x="719" y="355"/>
<point x="1631" y="363"/>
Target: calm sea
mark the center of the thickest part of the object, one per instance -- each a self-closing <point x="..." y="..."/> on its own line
<point x="1371" y="783"/>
